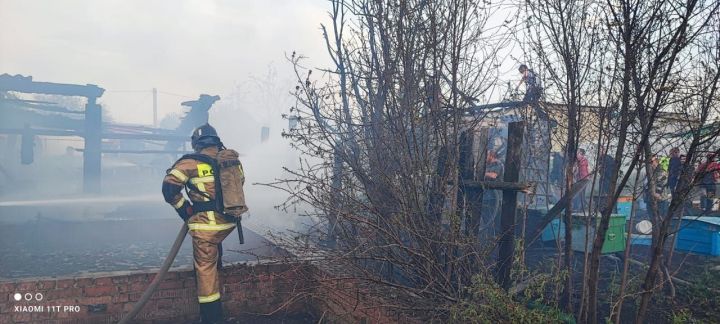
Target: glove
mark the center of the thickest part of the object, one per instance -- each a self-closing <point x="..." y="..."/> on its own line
<point x="185" y="211"/>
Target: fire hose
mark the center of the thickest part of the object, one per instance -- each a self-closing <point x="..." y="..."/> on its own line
<point x="158" y="277"/>
<point x="164" y="269"/>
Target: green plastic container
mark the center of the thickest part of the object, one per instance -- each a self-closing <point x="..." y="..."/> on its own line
<point x="614" y="238"/>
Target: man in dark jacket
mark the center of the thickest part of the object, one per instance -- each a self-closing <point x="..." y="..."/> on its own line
<point x="674" y="168"/>
<point x="607" y="167"/>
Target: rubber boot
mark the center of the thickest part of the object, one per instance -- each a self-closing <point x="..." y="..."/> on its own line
<point x="211" y="313"/>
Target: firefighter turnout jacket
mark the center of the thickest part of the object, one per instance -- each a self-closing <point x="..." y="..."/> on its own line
<point x="207" y="228"/>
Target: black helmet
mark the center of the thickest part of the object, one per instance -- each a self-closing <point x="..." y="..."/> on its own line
<point x="204" y="136"/>
<point x="522" y="68"/>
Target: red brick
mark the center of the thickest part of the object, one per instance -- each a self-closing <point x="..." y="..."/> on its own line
<point x="133" y="297"/>
<point x="163" y="313"/>
<point x="64" y="283"/>
<point x="137" y="287"/>
<point x="7" y="287"/>
<point x="22" y="317"/>
<point x="95" y="300"/>
<point x="141" y="277"/>
<point x="120" y="279"/>
<point x="41" y="316"/>
<point x="60" y="315"/>
<point x="128" y="307"/>
<point x="120" y="298"/>
<point x="233" y="307"/>
<point x="165" y="303"/>
<point x="170" y="276"/>
<point x="63" y="293"/>
<point x="174" y="284"/>
<point x="46" y="284"/>
<point x="171" y="293"/>
<point x="64" y="302"/>
<point x="122" y="287"/>
<point x="232" y="287"/>
<point x="105" y="281"/>
<point x="189" y="283"/>
<point x="115" y="307"/>
<point x="99" y="291"/>
<point x="237" y="296"/>
<point x="83" y="282"/>
<point x="186" y="274"/>
<point x="26" y="286"/>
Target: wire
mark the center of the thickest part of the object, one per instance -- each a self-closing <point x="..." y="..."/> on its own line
<point x="174" y="94"/>
<point x="129" y="90"/>
<point x="150" y="91"/>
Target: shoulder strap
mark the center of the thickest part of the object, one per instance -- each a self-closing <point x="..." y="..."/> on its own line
<point x="200" y="157"/>
<point x="216" y="173"/>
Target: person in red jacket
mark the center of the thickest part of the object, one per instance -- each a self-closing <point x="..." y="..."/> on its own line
<point x="582" y="171"/>
<point x="710" y="172"/>
<point x="583" y="166"/>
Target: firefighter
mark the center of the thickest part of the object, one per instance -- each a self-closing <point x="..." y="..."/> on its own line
<point x="208" y="227"/>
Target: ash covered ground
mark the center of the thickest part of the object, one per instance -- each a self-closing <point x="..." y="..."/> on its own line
<point x="51" y="246"/>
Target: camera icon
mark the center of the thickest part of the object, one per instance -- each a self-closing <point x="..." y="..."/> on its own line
<point x="28" y="296"/>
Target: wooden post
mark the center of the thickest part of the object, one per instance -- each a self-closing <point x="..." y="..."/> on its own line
<point x="155" y="107"/>
<point x="480" y="176"/>
<point x="509" y="203"/>
<point x="467" y="196"/>
<point x="92" y="156"/>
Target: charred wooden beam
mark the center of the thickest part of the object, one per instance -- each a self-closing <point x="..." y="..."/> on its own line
<point x="24" y="84"/>
<point x="513" y="159"/>
<point x="139" y="151"/>
<point x="69" y="132"/>
<point x="499" y="185"/>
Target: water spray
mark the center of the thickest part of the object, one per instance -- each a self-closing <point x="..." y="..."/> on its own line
<point x="78" y="201"/>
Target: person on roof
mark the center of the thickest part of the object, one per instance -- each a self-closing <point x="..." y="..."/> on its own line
<point x="532" y="84"/>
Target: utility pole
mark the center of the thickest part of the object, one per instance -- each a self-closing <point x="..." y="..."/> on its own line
<point x="155" y="123"/>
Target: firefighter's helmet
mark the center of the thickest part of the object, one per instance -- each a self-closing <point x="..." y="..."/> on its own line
<point x="204" y="136"/>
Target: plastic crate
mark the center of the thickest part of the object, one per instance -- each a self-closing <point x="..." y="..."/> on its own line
<point x="553" y="231"/>
<point x="640" y="239"/>
<point x="624" y="208"/>
<point x="700" y="235"/>
<point x="615" y="237"/>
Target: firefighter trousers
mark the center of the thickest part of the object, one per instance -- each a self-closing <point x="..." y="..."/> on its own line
<point x="208" y="229"/>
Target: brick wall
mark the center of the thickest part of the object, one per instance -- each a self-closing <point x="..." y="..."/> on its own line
<point x="102" y="298"/>
<point x="348" y="300"/>
<point x="248" y="290"/>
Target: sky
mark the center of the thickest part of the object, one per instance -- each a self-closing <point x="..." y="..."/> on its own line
<point x="181" y="47"/>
